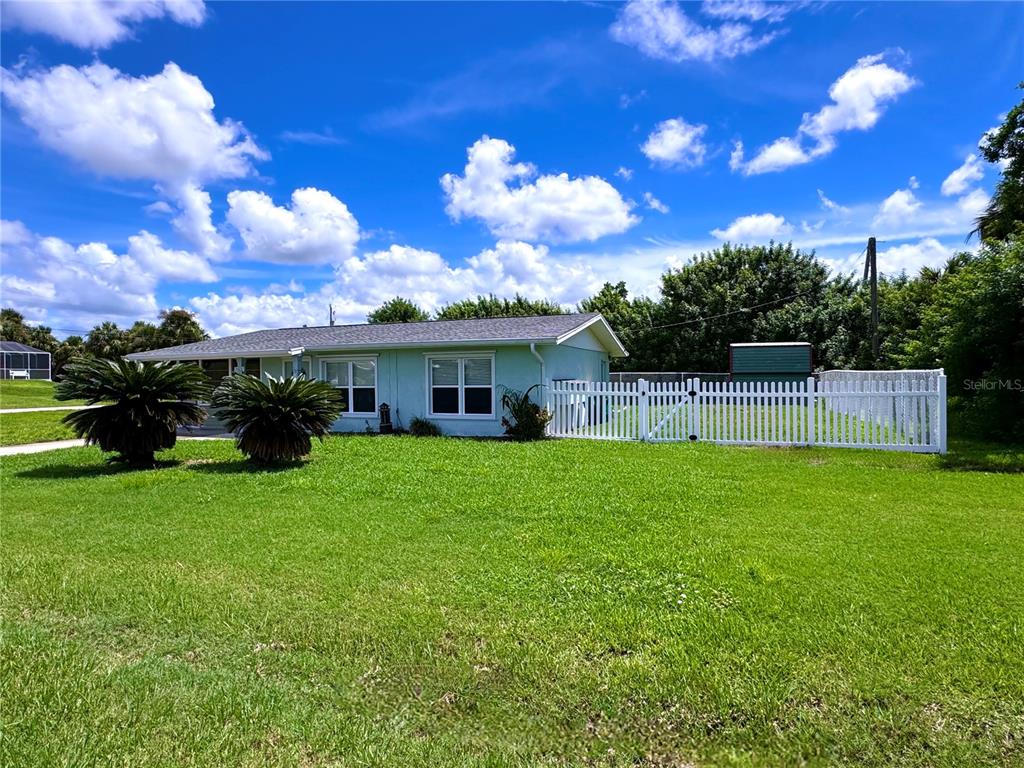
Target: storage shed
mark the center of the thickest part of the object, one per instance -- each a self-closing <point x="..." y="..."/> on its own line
<point x="770" y="361"/>
<point x="20" y="361"/>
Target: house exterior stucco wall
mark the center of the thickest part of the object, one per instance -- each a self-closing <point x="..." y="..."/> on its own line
<point x="402" y="379"/>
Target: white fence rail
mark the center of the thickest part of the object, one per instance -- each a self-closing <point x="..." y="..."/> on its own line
<point x="888" y="413"/>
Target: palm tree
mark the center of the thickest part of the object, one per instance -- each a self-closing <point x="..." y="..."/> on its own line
<point x="106" y="340"/>
<point x="275" y="420"/>
<point x="144" y="404"/>
<point x="1004" y="144"/>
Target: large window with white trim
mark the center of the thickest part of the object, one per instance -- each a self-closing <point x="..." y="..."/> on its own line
<point x="461" y="386"/>
<point x="356" y="380"/>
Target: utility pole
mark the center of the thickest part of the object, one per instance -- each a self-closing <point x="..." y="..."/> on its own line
<point x="871" y="273"/>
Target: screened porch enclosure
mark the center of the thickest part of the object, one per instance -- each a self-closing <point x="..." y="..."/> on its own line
<point x="20" y="361"/>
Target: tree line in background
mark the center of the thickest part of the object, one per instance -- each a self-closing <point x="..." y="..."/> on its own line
<point x="966" y="317"/>
<point x="401" y="310"/>
<point x="106" y="340"/>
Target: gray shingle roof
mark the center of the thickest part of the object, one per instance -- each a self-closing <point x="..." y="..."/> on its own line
<point x="17" y="346"/>
<point x="278" y="342"/>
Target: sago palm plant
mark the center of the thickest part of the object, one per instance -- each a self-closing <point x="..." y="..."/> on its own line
<point x="143" y="404"/>
<point x="275" y="420"/>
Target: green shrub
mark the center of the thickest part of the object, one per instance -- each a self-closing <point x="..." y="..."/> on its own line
<point x="423" y="428"/>
<point x="526" y="420"/>
<point x="147" y="402"/>
<point x="275" y="420"/>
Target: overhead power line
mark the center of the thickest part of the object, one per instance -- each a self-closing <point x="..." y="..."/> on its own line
<point x="751" y="308"/>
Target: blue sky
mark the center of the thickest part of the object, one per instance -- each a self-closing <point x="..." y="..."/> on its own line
<point x="255" y="162"/>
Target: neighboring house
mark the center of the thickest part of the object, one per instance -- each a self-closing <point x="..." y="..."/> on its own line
<point x="449" y="371"/>
<point x="20" y="361"/>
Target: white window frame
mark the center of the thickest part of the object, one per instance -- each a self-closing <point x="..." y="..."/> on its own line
<point x="350" y="414"/>
<point x="287" y="366"/>
<point x="461" y="357"/>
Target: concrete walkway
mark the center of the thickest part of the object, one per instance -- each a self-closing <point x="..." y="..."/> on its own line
<point x="49" y="408"/>
<point x="53" y="445"/>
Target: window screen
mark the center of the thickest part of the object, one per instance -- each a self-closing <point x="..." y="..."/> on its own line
<point x="356" y="380"/>
<point x="461" y="386"/>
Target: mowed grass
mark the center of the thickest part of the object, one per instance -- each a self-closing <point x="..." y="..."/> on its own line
<point x="400" y="601"/>
<point x="30" y="394"/>
<point x="33" y="427"/>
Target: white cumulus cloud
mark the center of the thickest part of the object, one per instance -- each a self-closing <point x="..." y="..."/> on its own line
<point x="159" y="127"/>
<point x="973" y="203"/>
<point x="899" y="207"/>
<point x="756" y="227"/>
<point x="90" y="282"/>
<point x="661" y="30"/>
<point x="910" y="257"/>
<point x="96" y="23"/>
<point x="226" y="315"/>
<point x="514" y="202"/>
<point x="364" y="282"/>
<point x="513" y="267"/>
<point x="317" y="228"/>
<point x="959" y="180"/>
<point x="194" y="222"/>
<point x="780" y="154"/>
<point x="676" y="143"/>
<point x="168" y="263"/>
<point x="859" y="97"/>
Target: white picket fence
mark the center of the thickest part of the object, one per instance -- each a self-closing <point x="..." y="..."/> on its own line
<point x="890" y="414"/>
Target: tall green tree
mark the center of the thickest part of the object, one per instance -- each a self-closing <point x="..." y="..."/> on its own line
<point x="631" y="321"/>
<point x="14" y="328"/>
<point x="739" y="294"/>
<point x="12" y="325"/>
<point x="179" y="326"/>
<point x="397" y="310"/>
<point x="68" y="350"/>
<point x="142" y="336"/>
<point x="844" y="320"/>
<point x="106" y="341"/>
<point x="1004" y="145"/>
<point x="973" y="326"/>
<point x="492" y="306"/>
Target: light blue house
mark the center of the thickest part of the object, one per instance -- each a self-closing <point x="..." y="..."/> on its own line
<point x="449" y="371"/>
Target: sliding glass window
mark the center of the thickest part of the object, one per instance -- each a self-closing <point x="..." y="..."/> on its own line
<point x="461" y="386"/>
<point x="356" y="380"/>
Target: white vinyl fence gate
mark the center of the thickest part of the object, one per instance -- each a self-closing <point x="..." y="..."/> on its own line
<point x="890" y="412"/>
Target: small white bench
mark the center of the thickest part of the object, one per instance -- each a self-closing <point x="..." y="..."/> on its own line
<point x="18" y="374"/>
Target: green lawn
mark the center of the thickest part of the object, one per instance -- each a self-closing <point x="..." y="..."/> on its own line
<point x="29" y="394"/>
<point x="435" y="602"/>
<point x="33" y="427"/>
